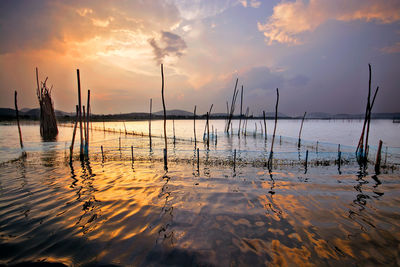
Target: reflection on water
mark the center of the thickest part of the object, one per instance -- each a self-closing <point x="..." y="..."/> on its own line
<point x="122" y="210"/>
<point x="108" y="213"/>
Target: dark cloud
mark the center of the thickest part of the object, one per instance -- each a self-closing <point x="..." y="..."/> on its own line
<point x="261" y="78"/>
<point x="170" y="45"/>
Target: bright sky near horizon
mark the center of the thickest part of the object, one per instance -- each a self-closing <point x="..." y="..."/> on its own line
<point x="316" y="52"/>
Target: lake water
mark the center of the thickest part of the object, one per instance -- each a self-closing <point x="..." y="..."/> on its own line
<point x="111" y="209"/>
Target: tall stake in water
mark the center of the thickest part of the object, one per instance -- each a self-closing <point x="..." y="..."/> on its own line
<point x="71" y="148"/>
<point x="378" y="158"/>
<point x="19" y="127"/>
<point x="87" y="124"/>
<point x="80" y="112"/>
<point x="173" y="129"/>
<point x="151" y="104"/>
<point x="165" y="117"/>
<point x="265" y="126"/>
<point x="273" y="136"/>
<point x="301" y="128"/>
<point x="241" y="111"/>
<point x="194" y="126"/>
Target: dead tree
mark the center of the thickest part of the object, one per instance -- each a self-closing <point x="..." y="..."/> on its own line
<point x="48" y="122"/>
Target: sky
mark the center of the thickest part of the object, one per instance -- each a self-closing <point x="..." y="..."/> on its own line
<point x="316" y="52"/>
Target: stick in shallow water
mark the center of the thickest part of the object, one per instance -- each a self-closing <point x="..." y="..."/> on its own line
<point x="273" y="136"/>
<point x="71" y="148"/>
<point x="301" y="128"/>
<point x="19" y="127"/>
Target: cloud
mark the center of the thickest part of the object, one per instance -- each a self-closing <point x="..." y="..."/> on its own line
<point x="251" y="3"/>
<point x="289" y="19"/>
<point x="201" y="9"/>
<point x="392" y="49"/>
<point x="60" y="25"/>
<point x="170" y="45"/>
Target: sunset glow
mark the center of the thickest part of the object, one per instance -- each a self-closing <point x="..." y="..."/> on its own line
<point x="316" y="52"/>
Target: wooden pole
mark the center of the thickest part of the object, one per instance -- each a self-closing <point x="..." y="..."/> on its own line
<point x="80" y="112"/>
<point x="234" y="160"/>
<point x="273" y="136"/>
<point x="198" y="159"/>
<point x="165" y="112"/>
<point x="71" y="148"/>
<point x="247" y="117"/>
<point x="208" y="133"/>
<point x="125" y="127"/>
<point x="84" y="128"/>
<point x="241" y="111"/>
<point x="19" y="127"/>
<point x="265" y="125"/>
<point x="102" y="153"/>
<point x="132" y="154"/>
<point x="301" y="128"/>
<point x="378" y="158"/>
<point x="119" y="143"/>
<point x="194" y="126"/>
<point x="306" y="162"/>
<point x="339" y="157"/>
<point x="165" y="120"/>
<point x="88" y="121"/>
<point x="151" y="105"/>
<point x="173" y="130"/>
<point x="232" y="110"/>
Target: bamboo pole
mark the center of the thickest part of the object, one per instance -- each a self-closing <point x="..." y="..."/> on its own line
<point x="71" y="148"/>
<point x="80" y="112"/>
<point x="102" y="153"/>
<point x="301" y="128"/>
<point x="273" y="136"/>
<point x="87" y="126"/>
<point x="232" y="110"/>
<point x="151" y="105"/>
<point x="198" y="159"/>
<point x="208" y="132"/>
<point x="132" y="154"/>
<point x="241" y="111"/>
<point x="194" y="126"/>
<point x="339" y="157"/>
<point x="165" y="118"/>
<point x="306" y="162"/>
<point x="265" y="126"/>
<point x="126" y="133"/>
<point x="173" y="130"/>
<point x="234" y="160"/>
<point x="84" y="128"/>
<point x="246" y="119"/>
<point x="19" y="127"/>
<point x="378" y="158"/>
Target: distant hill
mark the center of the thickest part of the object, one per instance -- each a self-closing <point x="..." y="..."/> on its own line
<point x="174" y="112"/>
<point x="26" y="113"/>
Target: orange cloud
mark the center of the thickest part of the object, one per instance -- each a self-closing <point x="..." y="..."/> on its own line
<point x="289" y="19"/>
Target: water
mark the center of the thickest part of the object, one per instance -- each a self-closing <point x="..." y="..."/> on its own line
<point x="110" y="210"/>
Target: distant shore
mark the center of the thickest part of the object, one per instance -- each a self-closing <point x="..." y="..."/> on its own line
<point x="7" y="114"/>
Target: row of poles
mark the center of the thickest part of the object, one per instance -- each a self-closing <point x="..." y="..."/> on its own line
<point x="83" y="118"/>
